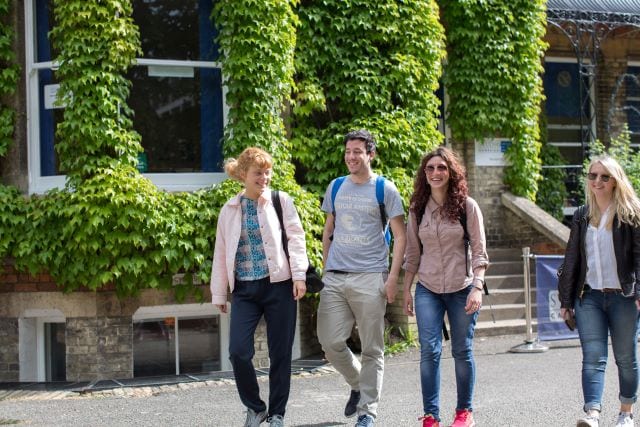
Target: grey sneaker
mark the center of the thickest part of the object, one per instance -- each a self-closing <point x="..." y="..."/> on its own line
<point x="352" y="404"/>
<point x="276" y="421"/>
<point x="625" y="420"/>
<point x="254" y="418"/>
<point x="364" y="421"/>
<point x="588" y="421"/>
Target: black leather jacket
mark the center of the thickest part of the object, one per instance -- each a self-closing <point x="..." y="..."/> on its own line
<point x="626" y="244"/>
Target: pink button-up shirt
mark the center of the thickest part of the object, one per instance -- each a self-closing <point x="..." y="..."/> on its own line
<point x="441" y="267"/>
<point x="228" y="236"/>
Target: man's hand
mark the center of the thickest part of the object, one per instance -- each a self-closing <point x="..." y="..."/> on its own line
<point x="391" y="288"/>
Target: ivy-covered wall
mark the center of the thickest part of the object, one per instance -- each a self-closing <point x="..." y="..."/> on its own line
<point x="365" y="64"/>
<point x="493" y="78"/>
<point x="299" y="75"/>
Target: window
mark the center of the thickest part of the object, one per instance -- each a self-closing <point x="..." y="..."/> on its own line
<point x="566" y="120"/>
<point x="179" y="339"/>
<point x="632" y="104"/>
<point x="176" y="94"/>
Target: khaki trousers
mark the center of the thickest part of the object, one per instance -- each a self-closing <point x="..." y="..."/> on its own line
<point x="360" y="298"/>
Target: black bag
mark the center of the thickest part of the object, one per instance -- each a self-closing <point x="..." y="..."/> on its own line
<point x="313" y="280"/>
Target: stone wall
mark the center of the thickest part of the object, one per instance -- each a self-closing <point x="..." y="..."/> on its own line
<point x="9" y="363"/>
<point x="99" y="326"/>
<point x="307" y="318"/>
<point x="99" y="348"/>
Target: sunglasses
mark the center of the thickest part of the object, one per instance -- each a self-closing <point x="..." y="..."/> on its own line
<point x="440" y="168"/>
<point x="594" y="176"/>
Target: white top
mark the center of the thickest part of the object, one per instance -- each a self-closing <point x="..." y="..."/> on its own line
<point x="602" y="270"/>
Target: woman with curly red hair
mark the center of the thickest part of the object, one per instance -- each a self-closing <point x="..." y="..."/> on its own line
<point x="450" y="266"/>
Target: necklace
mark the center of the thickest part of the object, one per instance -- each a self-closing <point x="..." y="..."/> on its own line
<point x="434" y="201"/>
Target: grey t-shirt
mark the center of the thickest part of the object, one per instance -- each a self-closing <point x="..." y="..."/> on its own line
<point x="358" y="238"/>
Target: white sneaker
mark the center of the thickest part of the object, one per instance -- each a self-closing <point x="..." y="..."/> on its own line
<point x="625" y="420"/>
<point x="254" y="419"/>
<point x="588" y="421"/>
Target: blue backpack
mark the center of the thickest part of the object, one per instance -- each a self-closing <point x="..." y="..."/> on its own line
<point x="379" y="196"/>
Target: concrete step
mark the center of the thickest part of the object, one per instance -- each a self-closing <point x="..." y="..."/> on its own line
<point x="506" y="296"/>
<point x="507" y="281"/>
<point x="504" y="327"/>
<point x="505" y="254"/>
<point x="507" y="267"/>
<point x="504" y="312"/>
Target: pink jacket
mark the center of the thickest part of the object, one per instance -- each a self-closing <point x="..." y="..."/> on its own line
<point x="228" y="236"/>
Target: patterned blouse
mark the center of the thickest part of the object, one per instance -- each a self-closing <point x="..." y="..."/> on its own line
<point x="251" y="261"/>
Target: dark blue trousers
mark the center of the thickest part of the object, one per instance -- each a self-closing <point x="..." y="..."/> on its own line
<point x="250" y="301"/>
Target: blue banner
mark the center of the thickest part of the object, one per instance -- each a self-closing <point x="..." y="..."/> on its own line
<point x="550" y="325"/>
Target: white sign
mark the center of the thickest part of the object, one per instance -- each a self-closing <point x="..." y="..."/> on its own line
<point x="554" y="307"/>
<point x="50" y="96"/>
<point x="491" y="152"/>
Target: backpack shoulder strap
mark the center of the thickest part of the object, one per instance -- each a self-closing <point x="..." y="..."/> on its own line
<point x="277" y="205"/>
<point x="383" y="213"/>
<point x="467" y="239"/>
<point x="337" y="183"/>
<point x="380" y="197"/>
<point x="463" y="222"/>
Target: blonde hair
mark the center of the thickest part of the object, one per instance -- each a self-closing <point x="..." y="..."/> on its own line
<point x="252" y="156"/>
<point x="625" y="203"/>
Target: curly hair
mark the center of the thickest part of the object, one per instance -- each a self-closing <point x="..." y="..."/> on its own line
<point x="457" y="190"/>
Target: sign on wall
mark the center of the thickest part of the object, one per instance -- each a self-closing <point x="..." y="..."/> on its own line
<point x="490" y="152"/>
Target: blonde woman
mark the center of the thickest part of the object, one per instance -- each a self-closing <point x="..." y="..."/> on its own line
<point x="249" y="259"/>
<point x="599" y="285"/>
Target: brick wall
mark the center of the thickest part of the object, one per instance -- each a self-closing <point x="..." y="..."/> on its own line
<point x="503" y="228"/>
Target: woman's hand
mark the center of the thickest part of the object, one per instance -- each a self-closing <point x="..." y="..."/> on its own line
<point x="299" y="289"/>
<point x="222" y="307"/>
<point x="474" y="301"/>
<point x="407" y="305"/>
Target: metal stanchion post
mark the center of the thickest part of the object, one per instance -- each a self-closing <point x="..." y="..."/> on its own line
<point x="530" y="344"/>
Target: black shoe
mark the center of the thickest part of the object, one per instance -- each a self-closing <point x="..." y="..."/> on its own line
<point x="352" y="404"/>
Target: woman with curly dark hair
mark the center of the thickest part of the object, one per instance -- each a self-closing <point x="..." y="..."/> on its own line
<point x="446" y="248"/>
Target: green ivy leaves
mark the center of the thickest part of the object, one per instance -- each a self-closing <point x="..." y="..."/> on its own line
<point x="117" y="228"/>
<point x="364" y="64"/>
<point x="9" y="73"/>
<point x="258" y="39"/>
<point x="98" y="42"/>
<point x="493" y="79"/>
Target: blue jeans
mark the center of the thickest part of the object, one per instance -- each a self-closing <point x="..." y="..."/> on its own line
<point x="430" y="308"/>
<point x="250" y="301"/>
<point x="597" y="315"/>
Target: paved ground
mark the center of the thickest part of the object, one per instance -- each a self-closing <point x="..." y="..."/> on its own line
<point x="541" y="389"/>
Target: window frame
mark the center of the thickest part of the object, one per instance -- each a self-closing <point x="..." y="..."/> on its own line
<point x="38" y="184"/>
<point x="189" y="311"/>
<point x="634" y="99"/>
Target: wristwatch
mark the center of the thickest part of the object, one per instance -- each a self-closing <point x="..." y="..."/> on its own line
<point x="481" y="287"/>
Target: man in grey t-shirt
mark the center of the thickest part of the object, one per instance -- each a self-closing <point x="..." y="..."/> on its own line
<point x="358" y="282"/>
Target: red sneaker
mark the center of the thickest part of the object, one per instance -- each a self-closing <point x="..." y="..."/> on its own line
<point x="429" y="421"/>
<point x="464" y="418"/>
